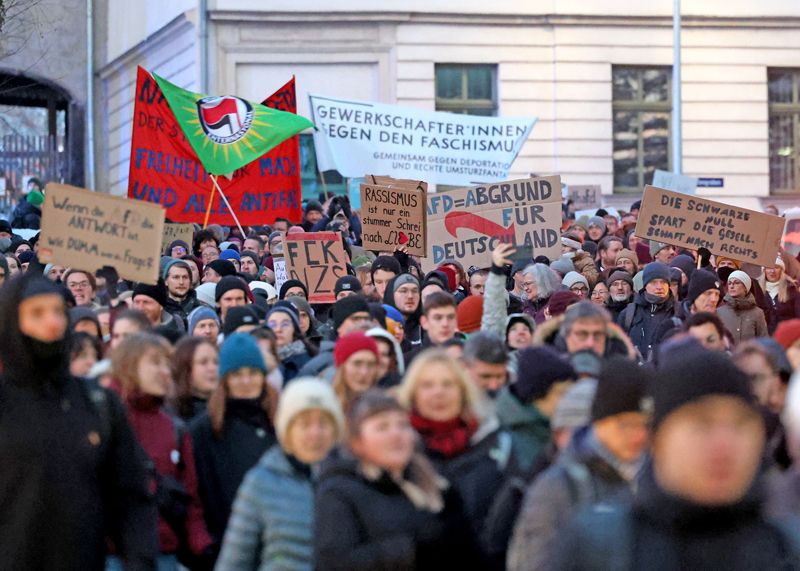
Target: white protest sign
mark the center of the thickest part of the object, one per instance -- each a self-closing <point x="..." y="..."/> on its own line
<point x="355" y="137"/>
<point x="279" y="264"/>
<point x="675" y="182"/>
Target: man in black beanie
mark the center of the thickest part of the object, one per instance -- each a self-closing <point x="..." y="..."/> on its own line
<point x="231" y="291"/>
<point x="150" y="300"/>
<point x="700" y="502"/>
<point x="703" y="293"/>
<point x="598" y="465"/>
<point x="524" y="407"/>
<point x="348" y="314"/>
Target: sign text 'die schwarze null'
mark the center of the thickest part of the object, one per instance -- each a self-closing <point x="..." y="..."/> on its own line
<point x="355" y="137"/>
<point x="89" y="230"/>
<point x="468" y="223"/>
<point x="725" y="230"/>
<point x="393" y="214"/>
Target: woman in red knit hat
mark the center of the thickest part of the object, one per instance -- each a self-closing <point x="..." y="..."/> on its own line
<point x="356" y="357"/>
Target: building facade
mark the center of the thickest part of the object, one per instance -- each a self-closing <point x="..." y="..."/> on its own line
<point x="43" y="94"/>
<point x="596" y="75"/>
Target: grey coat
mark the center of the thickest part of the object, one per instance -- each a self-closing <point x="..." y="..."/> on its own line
<point x="272" y="520"/>
<point x="578" y="478"/>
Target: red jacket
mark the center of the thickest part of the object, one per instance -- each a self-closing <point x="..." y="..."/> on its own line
<point x="156" y="432"/>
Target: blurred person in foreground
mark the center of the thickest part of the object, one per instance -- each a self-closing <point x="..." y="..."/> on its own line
<point x="700" y="503"/>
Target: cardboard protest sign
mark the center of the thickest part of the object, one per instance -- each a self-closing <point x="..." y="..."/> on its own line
<point x="725" y="230"/>
<point x="317" y="259"/>
<point x="585" y="196"/>
<point x="467" y="224"/>
<point x="88" y="230"/>
<point x="279" y="265"/>
<point x="393" y="213"/>
<point x="676" y="182"/>
<point x="791" y="232"/>
<point x="174" y="232"/>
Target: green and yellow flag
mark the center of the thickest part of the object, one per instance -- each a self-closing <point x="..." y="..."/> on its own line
<point x="227" y="132"/>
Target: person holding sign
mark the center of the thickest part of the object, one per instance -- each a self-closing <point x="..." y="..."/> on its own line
<point x="739" y="312"/>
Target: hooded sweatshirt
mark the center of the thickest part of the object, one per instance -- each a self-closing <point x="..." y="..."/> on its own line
<point x="412" y="327"/>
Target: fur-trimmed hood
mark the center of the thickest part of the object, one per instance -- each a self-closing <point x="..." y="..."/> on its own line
<point x="617" y="343"/>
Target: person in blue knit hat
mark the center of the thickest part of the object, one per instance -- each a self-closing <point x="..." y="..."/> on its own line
<point x="652" y="313"/>
<point x="236" y="429"/>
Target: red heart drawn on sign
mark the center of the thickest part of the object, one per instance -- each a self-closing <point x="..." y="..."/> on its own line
<point x="402" y="238"/>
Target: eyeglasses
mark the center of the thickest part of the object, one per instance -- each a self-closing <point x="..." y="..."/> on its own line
<point x="79" y="285"/>
<point x="407" y="291"/>
<point x="579" y="287"/>
<point x="528" y="285"/>
<point x="282" y="325"/>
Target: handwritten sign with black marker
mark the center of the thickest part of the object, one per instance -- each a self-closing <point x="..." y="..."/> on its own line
<point x="393" y="214"/>
<point x="88" y="230"/>
<point x="725" y="230"/>
<point x="317" y="259"/>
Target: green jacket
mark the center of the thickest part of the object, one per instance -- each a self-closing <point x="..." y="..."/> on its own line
<point x="529" y="428"/>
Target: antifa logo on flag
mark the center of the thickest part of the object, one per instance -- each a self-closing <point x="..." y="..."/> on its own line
<point x="225" y="119"/>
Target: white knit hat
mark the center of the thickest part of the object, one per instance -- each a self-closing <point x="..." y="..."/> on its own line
<point x="741" y="276"/>
<point x="307" y="393"/>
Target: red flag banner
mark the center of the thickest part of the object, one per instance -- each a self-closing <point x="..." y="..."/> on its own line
<point x="164" y="169"/>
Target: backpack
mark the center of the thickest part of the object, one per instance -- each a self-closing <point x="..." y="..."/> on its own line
<point x="609" y="546"/>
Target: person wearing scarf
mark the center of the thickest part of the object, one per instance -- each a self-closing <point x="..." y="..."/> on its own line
<point x="739" y="312"/>
<point x="652" y="313"/>
<point x="294" y="351"/>
<point x="459" y="435"/>
<point x="236" y="429"/>
<point x="140" y="366"/>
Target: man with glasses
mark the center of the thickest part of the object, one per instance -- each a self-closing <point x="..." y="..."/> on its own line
<point x="404" y="293"/>
<point x="577" y="284"/>
<point x="652" y="313"/>
<point x="82" y="286"/>
<point x="597" y="467"/>
<point x="585" y="328"/>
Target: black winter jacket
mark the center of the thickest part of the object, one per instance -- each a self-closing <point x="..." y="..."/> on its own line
<point x="223" y="462"/>
<point x="369" y="524"/>
<point x="478" y="473"/>
<point x="71" y="471"/>
<point x="649" y="322"/>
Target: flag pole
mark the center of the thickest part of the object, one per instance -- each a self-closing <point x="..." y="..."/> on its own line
<point x="210" y="204"/>
<point x="228" y="204"/>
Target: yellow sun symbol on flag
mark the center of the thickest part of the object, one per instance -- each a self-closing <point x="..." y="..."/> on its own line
<point x="259" y="120"/>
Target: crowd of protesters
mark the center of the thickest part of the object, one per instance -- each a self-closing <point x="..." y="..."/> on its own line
<point x="626" y="406"/>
